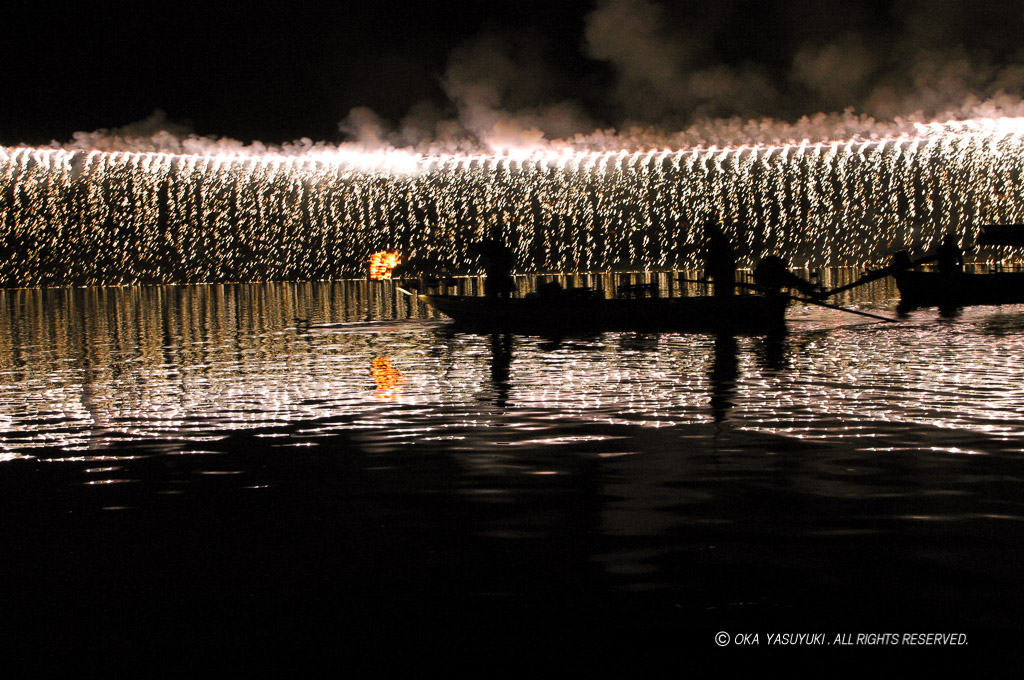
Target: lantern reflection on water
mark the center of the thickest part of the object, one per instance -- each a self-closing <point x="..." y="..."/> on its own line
<point x="387" y="378"/>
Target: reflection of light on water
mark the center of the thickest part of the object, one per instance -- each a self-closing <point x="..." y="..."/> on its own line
<point x="874" y="380"/>
<point x="88" y="459"/>
<point x="86" y="370"/>
<point x="936" y="449"/>
<point x="386" y="377"/>
<point x="554" y="441"/>
<point x="6" y="456"/>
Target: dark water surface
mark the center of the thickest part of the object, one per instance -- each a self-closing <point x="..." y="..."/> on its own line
<point x="269" y="467"/>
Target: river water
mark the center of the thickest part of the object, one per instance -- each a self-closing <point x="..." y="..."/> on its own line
<point x="330" y="464"/>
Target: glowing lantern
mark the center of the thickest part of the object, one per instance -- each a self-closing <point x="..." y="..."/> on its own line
<point x="382" y="264"/>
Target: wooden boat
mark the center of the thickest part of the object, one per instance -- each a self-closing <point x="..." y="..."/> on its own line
<point x="572" y="312"/>
<point x="952" y="290"/>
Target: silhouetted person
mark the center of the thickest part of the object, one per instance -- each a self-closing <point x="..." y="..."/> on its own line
<point x="950" y="258"/>
<point x="772" y="274"/>
<point x="901" y="260"/>
<point x="498" y="261"/>
<point x="720" y="261"/>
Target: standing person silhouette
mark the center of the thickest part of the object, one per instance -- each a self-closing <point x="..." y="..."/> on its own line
<point x="498" y="262"/>
<point x="720" y="260"/>
<point x="950" y="258"/>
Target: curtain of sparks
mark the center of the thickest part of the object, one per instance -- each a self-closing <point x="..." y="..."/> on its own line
<point x="88" y="218"/>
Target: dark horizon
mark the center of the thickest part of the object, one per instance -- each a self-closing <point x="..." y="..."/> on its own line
<point x="332" y="72"/>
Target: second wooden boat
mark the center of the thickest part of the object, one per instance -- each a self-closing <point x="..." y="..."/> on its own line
<point x="952" y="290"/>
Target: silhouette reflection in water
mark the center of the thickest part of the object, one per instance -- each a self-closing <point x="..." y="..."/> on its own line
<point x="501" y="364"/>
<point x="724" y="371"/>
<point x="774" y="352"/>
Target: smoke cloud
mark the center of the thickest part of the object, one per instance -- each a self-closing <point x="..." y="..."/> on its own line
<point x="654" y="73"/>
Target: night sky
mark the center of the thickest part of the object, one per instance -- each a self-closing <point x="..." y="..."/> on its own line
<point x="407" y="74"/>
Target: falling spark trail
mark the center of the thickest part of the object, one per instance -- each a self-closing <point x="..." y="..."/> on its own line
<point x="78" y="218"/>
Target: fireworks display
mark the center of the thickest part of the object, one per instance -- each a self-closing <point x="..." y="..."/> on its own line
<point x="87" y="218"/>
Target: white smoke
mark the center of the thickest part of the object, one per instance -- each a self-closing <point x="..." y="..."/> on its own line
<point x="680" y="75"/>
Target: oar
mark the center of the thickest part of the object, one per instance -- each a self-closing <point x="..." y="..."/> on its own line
<point x="867" y="278"/>
<point x="738" y="284"/>
<point x="889" y="270"/>
<point x="844" y="309"/>
<point x="403" y="290"/>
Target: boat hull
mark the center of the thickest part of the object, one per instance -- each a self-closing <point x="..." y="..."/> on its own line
<point x="740" y="314"/>
<point x="933" y="289"/>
